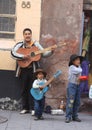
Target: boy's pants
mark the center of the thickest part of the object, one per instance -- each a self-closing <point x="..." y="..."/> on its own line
<point x="73" y="101"/>
<point x="39" y="107"/>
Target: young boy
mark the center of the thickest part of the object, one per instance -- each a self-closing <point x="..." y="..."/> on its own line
<point x="73" y="89"/>
<point x="39" y="104"/>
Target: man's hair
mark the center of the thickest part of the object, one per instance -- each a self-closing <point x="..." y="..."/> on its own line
<point x="27" y="29"/>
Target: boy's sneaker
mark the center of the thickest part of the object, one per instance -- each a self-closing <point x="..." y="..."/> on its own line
<point x="67" y="120"/>
<point x="36" y="118"/>
<point x="41" y="118"/>
<point x="76" y="119"/>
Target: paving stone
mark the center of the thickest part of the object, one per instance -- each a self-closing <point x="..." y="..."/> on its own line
<point x="51" y="122"/>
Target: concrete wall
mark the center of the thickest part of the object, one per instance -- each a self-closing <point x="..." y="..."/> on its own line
<point x="61" y="21"/>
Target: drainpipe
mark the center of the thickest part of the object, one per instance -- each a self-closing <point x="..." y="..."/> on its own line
<point x="81" y="36"/>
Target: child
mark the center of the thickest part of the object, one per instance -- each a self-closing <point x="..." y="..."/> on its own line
<point x="73" y="90"/>
<point x="39" y="104"/>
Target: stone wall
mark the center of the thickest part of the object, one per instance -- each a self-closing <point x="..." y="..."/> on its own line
<point x="10" y="104"/>
<point x="60" y="21"/>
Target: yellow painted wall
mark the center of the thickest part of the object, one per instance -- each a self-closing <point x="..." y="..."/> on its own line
<point x="26" y="17"/>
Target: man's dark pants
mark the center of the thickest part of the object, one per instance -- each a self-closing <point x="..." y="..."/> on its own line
<point x="27" y="78"/>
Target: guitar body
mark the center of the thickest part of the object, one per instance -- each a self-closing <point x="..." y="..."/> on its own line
<point x="35" y="54"/>
<point x="37" y="93"/>
<point x="28" y="51"/>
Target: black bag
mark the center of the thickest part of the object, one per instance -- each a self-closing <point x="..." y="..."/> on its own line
<point x="48" y="109"/>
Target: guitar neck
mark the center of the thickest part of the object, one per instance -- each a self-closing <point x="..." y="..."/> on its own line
<point x="44" y="50"/>
<point x="48" y="82"/>
<point x="49" y="48"/>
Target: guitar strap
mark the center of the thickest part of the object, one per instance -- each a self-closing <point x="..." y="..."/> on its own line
<point x="31" y="43"/>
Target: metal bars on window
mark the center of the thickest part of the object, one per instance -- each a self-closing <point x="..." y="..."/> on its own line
<point x="7" y="18"/>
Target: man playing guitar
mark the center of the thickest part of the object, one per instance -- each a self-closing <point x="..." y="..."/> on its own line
<point x="26" y="73"/>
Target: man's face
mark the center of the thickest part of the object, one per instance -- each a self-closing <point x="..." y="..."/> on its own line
<point x="27" y="36"/>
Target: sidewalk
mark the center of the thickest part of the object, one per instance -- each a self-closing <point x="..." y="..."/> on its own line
<point x="51" y="122"/>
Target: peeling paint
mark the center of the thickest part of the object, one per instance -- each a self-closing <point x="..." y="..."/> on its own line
<point x="60" y="23"/>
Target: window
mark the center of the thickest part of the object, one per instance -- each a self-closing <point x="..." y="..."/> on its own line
<point x="7" y="18"/>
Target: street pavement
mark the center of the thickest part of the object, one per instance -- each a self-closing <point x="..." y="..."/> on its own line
<point x="17" y="121"/>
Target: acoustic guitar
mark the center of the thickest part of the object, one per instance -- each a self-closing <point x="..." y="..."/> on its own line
<point x="35" y="54"/>
<point x="37" y="93"/>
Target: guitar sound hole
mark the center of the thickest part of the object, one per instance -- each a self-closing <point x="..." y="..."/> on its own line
<point x="32" y="54"/>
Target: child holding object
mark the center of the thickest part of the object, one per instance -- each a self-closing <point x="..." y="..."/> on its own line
<point x="39" y="104"/>
<point x="73" y="89"/>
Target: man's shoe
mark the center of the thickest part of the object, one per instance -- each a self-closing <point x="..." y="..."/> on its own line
<point x="67" y="120"/>
<point x="32" y="113"/>
<point x="76" y="119"/>
<point x="24" y="111"/>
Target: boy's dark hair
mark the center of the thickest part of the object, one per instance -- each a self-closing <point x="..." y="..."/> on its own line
<point x="27" y="29"/>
